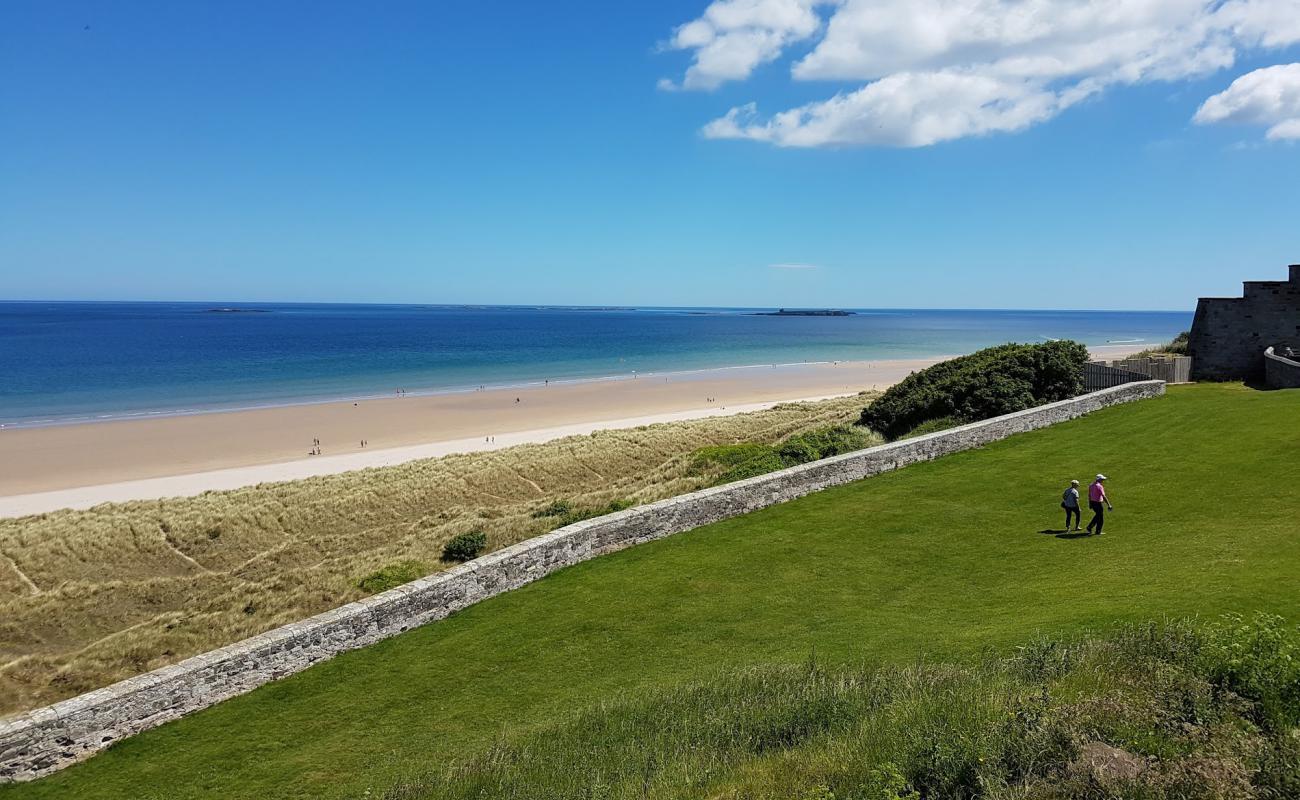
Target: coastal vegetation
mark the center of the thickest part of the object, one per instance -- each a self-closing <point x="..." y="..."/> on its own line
<point x="748" y="459"/>
<point x="91" y="597"/>
<point x="984" y="384"/>
<point x="1175" y="347"/>
<point x="464" y="546"/>
<point x="1164" y="710"/>
<point x="882" y="635"/>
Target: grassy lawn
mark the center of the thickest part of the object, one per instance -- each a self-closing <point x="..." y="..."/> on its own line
<point x="941" y="559"/>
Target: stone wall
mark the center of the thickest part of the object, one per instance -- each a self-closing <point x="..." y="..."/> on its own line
<point x="47" y="739"/>
<point x="1229" y="334"/>
<point x="1279" y="372"/>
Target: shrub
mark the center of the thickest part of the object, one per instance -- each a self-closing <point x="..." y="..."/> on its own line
<point x="987" y="383"/>
<point x="822" y="443"/>
<point x="391" y="576"/>
<point x="464" y="546"/>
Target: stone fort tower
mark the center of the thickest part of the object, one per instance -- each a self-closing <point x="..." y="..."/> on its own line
<point x="1229" y="334"/>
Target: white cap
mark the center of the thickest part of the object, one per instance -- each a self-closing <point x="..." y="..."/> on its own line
<point x="1101" y="477"/>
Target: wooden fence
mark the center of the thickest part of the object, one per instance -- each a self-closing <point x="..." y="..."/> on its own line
<point x="1171" y="369"/>
<point x="1098" y="376"/>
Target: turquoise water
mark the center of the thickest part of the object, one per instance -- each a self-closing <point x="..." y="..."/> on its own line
<point x="62" y="362"/>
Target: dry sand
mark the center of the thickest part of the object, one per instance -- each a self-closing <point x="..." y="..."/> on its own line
<point x="78" y="466"/>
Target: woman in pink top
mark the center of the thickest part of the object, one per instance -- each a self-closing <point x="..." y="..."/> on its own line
<point x="1098" y="502"/>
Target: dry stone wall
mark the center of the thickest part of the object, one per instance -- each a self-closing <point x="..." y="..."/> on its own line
<point x="48" y="739"/>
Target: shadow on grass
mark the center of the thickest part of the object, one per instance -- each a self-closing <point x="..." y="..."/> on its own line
<point x="1065" y="534"/>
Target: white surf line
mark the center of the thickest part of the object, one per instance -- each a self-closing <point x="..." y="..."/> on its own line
<point x="196" y="483"/>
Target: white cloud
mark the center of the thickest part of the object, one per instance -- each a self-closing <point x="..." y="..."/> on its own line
<point x="735" y="36"/>
<point x="903" y="110"/>
<point x="935" y="70"/>
<point x="793" y="266"/>
<point x="1268" y="96"/>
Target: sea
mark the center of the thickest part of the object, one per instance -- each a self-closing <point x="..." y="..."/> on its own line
<point x="64" y="362"/>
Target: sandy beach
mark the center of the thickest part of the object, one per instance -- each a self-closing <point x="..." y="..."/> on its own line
<point x="77" y="466"/>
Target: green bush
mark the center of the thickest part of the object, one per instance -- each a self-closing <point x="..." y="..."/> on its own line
<point x="984" y="384"/>
<point x="464" y="546"/>
<point x="822" y="443"/>
<point x="391" y="576"/>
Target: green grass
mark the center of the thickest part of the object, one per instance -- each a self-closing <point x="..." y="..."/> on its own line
<point x="1194" y="711"/>
<point x="943" y="559"/>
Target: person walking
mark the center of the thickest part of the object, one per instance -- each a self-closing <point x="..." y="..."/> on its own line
<point x="1099" y="503"/>
<point x="1070" y="502"/>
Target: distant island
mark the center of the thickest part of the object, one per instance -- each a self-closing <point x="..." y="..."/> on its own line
<point x="806" y="312"/>
<point x="236" y="311"/>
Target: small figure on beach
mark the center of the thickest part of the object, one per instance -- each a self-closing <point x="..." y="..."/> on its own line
<point x="1099" y="503"/>
<point x="1070" y="502"/>
<point x="516" y="399"/>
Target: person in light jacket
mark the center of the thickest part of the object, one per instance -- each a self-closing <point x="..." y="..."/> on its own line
<point x="1070" y="502"/>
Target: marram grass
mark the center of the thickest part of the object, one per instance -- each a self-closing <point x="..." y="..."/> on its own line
<point x="121" y="589"/>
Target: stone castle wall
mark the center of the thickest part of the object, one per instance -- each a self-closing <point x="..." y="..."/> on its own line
<point x="1229" y="334"/>
<point x="1280" y="372"/>
<point x="47" y="739"/>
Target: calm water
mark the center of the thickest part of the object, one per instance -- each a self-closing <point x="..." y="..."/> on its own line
<point x="68" y="361"/>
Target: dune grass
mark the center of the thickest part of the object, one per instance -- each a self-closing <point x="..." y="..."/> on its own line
<point x="945" y="560"/>
<point x="91" y="597"/>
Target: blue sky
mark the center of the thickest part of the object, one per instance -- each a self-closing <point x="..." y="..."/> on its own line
<point x="493" y="152"/>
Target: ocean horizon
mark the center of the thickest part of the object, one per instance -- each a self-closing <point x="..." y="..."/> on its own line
<point x="75" y="361"/>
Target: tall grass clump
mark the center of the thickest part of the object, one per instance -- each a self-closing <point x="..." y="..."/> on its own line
<point x="735" y="462"/>
<point x="1142" y="711"/>
<point x="987" y="383"/>
<point x="392" y="576"/>
<point x="1176" y="347"/>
